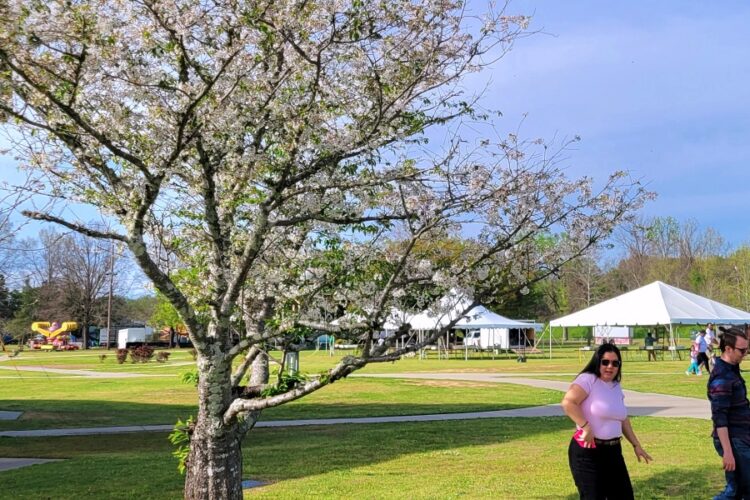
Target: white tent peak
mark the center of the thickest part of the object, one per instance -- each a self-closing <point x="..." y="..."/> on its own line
<point x="481" y="317"/>
<point x="654" y="304"/>
<point x="477" y="317"/>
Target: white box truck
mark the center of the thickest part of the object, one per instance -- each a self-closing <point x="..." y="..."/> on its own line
<point x="128" y="337"/>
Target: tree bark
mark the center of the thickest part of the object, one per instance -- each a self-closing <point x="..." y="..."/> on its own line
<point x="85" y="333"/>
<point x="259" y="373"/>
<point x="214" y="466"/>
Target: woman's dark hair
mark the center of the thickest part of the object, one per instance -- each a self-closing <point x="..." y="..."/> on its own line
<point x="594" y="366"/>
<point x="728" y="336"/>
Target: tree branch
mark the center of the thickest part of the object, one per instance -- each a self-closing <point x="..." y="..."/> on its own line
<point x="93" y="233"/>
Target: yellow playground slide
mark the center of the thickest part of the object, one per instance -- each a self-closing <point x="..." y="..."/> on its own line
<point x="52" y="330"/>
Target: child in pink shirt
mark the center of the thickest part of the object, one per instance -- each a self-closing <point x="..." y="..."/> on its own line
<point x="694" y="367"/>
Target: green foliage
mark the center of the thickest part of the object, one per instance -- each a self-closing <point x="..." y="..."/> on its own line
<point x="180" y="439"/>
<point x="192" y="377"/>
<point x="164" y="313"/>
<point x="140" y="309"/>
<point x="24" y="305"/>
<point x="287" y="382"/>
<point x="8" y="304"/>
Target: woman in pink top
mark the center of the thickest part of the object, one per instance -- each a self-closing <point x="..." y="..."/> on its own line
<point x="595" y="403"/>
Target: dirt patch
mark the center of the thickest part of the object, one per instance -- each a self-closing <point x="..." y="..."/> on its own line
<point x="41" y="415"/>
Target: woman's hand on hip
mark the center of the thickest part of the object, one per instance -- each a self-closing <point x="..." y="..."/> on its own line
<point x="587" y="437"/>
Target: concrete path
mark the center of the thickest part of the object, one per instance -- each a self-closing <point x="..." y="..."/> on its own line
<point x="17" y="463"/>
<point x="64" y="371"/>
<point x="10" y="415"/>
<point x="535" y="411"/>
<point x="638" y="403"/>
<point x="94" y="374"/>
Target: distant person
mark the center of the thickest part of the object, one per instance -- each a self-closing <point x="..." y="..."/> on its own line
<point x="649" y="343"/>
<point x="713" y="342"/>
<point x="730" y="413"/>
<point x="694" y="368"/>
<point x="700" y="341"/>
<point x="595" y="403"/>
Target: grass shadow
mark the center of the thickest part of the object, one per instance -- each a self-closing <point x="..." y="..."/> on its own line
<point x="489" y="458"/>
<point x="68" y="413"/>
<point x="49" y="414"/>
<point x="687" y="483"/>
<point x="350" y="446"/>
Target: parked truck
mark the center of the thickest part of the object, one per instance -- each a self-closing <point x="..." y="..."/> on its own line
<point x="133" y="337"/>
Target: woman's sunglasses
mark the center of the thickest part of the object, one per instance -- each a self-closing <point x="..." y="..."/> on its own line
<point x="606" y="362"/>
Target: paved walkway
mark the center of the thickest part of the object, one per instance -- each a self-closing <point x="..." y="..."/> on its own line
<point x="639" y="403"/>
<point x="95" y="374"/>
<point x="17" y="463"/>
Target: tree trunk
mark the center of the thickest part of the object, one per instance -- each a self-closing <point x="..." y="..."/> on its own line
<point x="214" y="466"/>
<point x="85" y="333"/>
<point x="259" y="373"/>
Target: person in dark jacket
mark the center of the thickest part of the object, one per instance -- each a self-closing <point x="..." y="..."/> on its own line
<point x="730" y="412"/>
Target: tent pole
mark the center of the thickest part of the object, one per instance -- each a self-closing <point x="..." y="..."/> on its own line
<point x="672" y="344"/>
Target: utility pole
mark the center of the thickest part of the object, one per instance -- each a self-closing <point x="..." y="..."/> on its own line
<point x="111" y="286"/>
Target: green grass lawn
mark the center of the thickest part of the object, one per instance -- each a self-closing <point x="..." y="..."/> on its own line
<point x="90" y="360"/>
<point x="565" y="360"/>
<point x="52" y="400"/>
<point x="106" y="402"/>
<point x="498" y="458"/>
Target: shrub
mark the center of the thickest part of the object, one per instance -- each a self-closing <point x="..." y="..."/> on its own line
<point x="142" y="354"/>
<point x="180" y="439"/>
<point x="162" y="356"/>
<point x="190" y="377"/>
<point x="122" y="355"/>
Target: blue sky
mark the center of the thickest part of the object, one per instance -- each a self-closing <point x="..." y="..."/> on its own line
<point x="657" y="88"/>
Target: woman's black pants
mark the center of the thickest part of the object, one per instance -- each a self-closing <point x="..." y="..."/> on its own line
<point x="600" y="473"/>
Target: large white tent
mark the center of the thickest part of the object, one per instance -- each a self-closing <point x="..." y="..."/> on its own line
<point x="655" y="304"/>
<point x="481" y="317"/>
<point x="493" y="329"/>
<point x="477" y="317"/>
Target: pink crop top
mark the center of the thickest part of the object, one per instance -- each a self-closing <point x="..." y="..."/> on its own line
<point x="604" y="407"/>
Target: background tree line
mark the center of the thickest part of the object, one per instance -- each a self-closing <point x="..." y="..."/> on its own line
<point x="681" y="254"/>
<point x="66" y="277"/>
